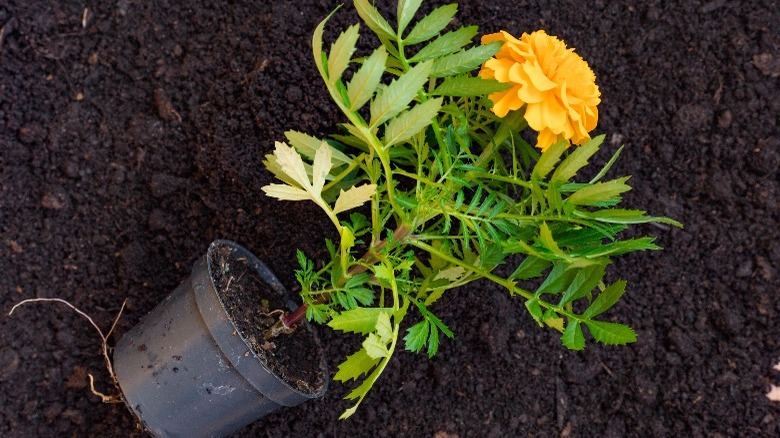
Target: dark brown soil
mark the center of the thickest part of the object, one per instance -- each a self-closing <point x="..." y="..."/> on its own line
<point x="132" y="135"/>
<point x="251" y="302"/>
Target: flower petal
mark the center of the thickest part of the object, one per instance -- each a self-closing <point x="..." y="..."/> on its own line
<point x="555" y="84"/>
<point x="538" y="78"/>
<point x="505" y="101"/>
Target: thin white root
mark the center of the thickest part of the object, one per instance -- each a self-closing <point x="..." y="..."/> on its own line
<point x="106" y="398"/>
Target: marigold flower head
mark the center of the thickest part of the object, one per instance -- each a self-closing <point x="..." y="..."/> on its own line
<point x="556" y="85"/>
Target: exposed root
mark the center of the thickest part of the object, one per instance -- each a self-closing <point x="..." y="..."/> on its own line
<point x="278" y="329"/>
<point x="106" y="398"/>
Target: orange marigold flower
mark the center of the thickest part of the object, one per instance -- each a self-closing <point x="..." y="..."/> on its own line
<point x="556" y="85"/>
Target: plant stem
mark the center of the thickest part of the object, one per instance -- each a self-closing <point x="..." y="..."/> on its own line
<point x="370" y="257"/>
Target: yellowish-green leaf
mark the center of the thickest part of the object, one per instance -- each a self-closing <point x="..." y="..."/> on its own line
<point x="433" y="23"/>
<point x="453" y="273"/>
<point x="464" y="61"/>
<point x="597" y="192"/>
<point x="366" y="79"/>
<point x="286" y="193"/>
<point x="460" y="86"/>
<point x="274" y="167"/>
<point x="375" y="347"/>
<point x="321" y="168"/>
<point x="383" y="272"/>
<point x="374" y="19"/>
<point x="411" y="122"/>
<point x="354" y="197"/>
<point x="384" y="329"/>
<point x="405" y="12"/>
<point x="576" y="160"/>
<point x="396" y="97"/>
<point x="546" y="239"/>
<point x="548" y="160"/>
<point x="556" y="323"/>
<point x="347" y="239"/>
<point x="341" y="53"/>
<point x="355" y="366"/>
<point x="358" y="320"/>
<point x="307" y="146"/>
<point x="316" y="45"/>
<point x="450" y="42"/>
<point x="291" y="164"/>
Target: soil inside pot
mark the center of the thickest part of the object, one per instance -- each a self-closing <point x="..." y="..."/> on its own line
<point x="254" y="307"/>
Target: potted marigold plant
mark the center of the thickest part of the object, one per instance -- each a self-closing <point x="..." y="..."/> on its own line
<point x="453" y="160"/>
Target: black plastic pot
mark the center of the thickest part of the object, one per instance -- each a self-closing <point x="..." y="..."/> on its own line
<point x="186" y="369"/>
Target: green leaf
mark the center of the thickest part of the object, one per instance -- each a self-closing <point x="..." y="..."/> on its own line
<point x="357" y="280"/>
<point x="611" y="333"/>
<point x="607" y="166"/>
<point x="396" y="97"/>
<point x="586" y="279"/>
<point x="355" y="366"/>
<point x="341" y="53"/>
<point x="374" y="19"/>
<point x="417" y="336"/>
<point x="576" y="160"/>
<point x="531" y="267"/>
<point x="462" y="86"/>
<point x="573" y="338"/>
<point x="597" y="192"/>
<point x="535" y="310"/>
<point x="438" y="323"/>
<point x="411" y="122"/>
<point x="358" y="320"/>
<point x="450" y="42"/>
<point x="405" y="13"/>
<point x="548" y="160"/>
<point x="366" y="79"/>
<point x="558" y="280"/>
<point x="618" y="248"/>
<point x="430" y="25"/>
<point x="606" y="299"/>
<point x="317" y="314"/>
<point x="464" y="61"/>
<point x="621" y="216"/>
<point x="433" y="342"/>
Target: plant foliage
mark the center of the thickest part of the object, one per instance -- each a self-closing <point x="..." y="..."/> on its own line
<point x="448" y="192"/>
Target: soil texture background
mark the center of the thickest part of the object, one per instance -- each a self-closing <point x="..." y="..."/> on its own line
<point x="132" y="135"/>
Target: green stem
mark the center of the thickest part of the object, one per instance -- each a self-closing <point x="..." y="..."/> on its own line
<point x="505" y="282"/>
